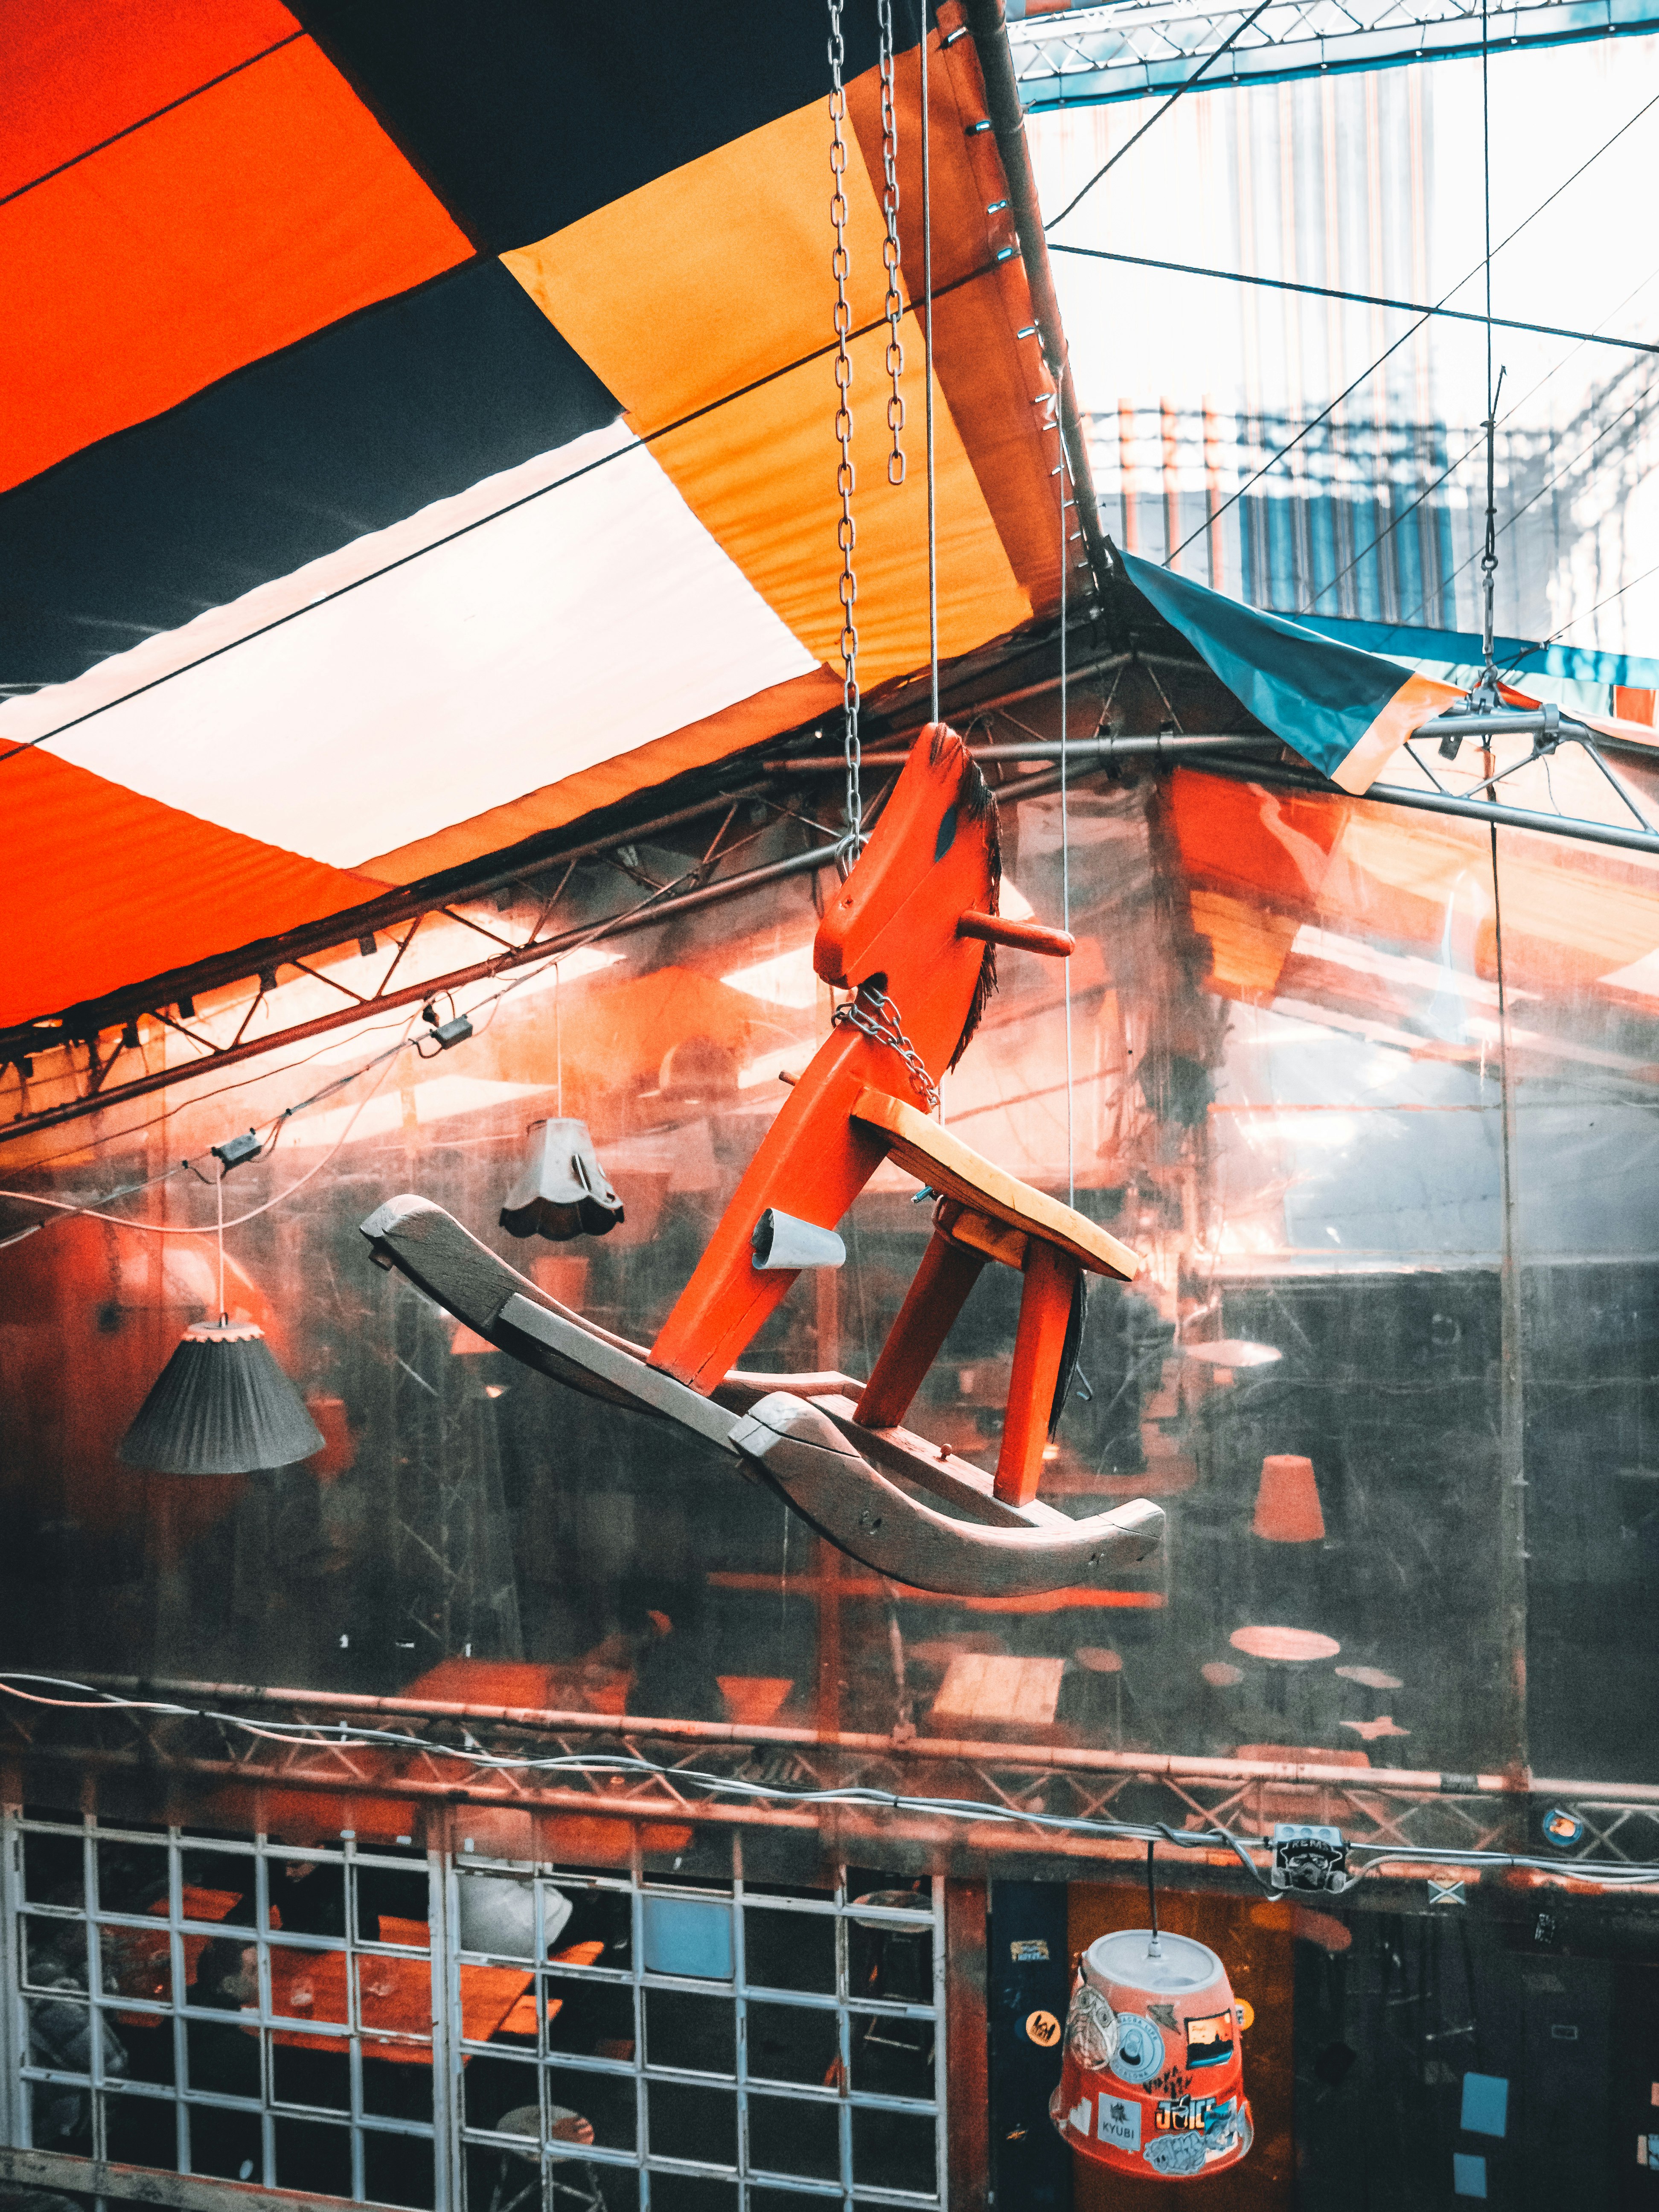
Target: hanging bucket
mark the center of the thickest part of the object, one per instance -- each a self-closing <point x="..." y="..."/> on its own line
<point x="1152" y="2083"/>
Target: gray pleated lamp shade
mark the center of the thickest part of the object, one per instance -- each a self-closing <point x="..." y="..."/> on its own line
<point x="221" y="1406"/>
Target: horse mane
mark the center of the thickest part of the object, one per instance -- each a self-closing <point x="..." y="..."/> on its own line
<point x="979" y="803"/>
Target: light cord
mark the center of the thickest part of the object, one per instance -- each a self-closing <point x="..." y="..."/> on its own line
<point x="1066" y="841"/>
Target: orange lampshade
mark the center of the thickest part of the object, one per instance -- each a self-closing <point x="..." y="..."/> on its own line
<point x="1287" y="1504"/>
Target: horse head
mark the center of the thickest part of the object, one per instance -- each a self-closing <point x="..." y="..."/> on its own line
<point x="933" y="856"/>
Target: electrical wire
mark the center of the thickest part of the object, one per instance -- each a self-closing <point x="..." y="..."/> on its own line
<point x="1066" y="839"/>
<point x="1354" y="299"/>
<point x="1585" y="617"/>
<point x="1325" y="413"/>
<point x="154" y="116"/>
<point x="342" y="1735"/>
<point x="531" y="972"/>
<point x="927" y="365"/>
<point x="1180" y="93"/>
<point x="167" y="1229"/>
<point x="1451" y="469"/>
<point x="641" y="444"/>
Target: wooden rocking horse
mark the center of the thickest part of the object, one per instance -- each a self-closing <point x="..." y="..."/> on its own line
<point x="913" y="935"/>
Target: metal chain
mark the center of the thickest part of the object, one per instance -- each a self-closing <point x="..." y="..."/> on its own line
<point x="845" y="536"/>
<point x="894" y="306"/>
<point x="874" y="1013"/>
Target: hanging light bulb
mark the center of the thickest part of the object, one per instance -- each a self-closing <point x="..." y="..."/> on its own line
<point x="221" y="1405"/>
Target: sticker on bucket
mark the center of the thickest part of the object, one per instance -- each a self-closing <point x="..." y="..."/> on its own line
<point x="1176" y="2155"/>
<point x="1139" y="2053"/>
<point x="1120" y="2122"/>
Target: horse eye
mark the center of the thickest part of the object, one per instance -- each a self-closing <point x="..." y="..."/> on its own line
<point x="947" y="833"/>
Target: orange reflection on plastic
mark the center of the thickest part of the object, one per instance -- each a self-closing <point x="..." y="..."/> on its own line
<point x="1287" y="1509"/>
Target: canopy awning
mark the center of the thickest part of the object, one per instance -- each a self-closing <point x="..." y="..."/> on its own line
<point x="429" y="438"/>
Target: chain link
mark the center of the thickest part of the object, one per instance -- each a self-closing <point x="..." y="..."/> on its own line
<point x="845" y="535"/>
<point x="874" y="1013"/>
<point x="894" y="306"/>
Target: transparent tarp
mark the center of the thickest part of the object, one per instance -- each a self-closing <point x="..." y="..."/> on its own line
<point x="1391" y="1393"/>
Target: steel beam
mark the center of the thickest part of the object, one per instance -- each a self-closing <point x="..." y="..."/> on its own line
<point x="986" y="21"/>
<point x="1088" y="57"/>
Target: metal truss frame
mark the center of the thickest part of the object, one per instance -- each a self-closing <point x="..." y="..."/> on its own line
<point x="1026" y="1788"/>
<point x="1088" y="57"/>
<point x="706" y="881"/>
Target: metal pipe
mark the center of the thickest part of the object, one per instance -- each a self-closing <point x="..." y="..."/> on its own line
<point x="1515" y="817"/>
<point x="57" y="2172"/>
<point x="1426" y="1782"/>
<point x="456" y="979"/>
<point x="1085" y="752"/>
<point x="1544" y="721"/>
<point x="1210" y="753"/>
<point x="426" y="896"/>
<point x="1441" y="802"/>
<point x="987" y="21"/>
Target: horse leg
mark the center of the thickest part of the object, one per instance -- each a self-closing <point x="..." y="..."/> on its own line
<point x="1045" y="1309"/>
<point x="812" y="1163"/>
<point x="948" y="1272"/>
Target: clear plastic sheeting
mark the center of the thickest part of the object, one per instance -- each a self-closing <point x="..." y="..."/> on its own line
<point x="1375" y="1107"/>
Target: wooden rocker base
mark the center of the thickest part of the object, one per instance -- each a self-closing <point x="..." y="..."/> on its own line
<point x="797" y="1432"/>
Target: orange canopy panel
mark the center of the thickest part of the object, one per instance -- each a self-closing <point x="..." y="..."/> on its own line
<point x="100" y="883"/>
<point x="230" y="224"/>
<point x="78" y="76"/>
<point x="427" y="437"/>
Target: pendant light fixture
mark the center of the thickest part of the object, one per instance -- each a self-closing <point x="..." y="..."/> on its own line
<point x="562" y="1191"/>
<point x="221" y="1405"/>
<point x="1152" y="2083"/>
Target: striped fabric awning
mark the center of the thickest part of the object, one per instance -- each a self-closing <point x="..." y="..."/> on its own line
<point x="425" y="437"/>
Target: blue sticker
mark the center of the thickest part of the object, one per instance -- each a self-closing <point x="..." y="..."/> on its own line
<point x="1176" y="2155"/>
<point x="1486" y="2104"/>
<point x="1563" y="1829"/>
<point x="1139" y="2053"/>
<point x="1468" y="2174"/>
<point x="1119" y="2122"/>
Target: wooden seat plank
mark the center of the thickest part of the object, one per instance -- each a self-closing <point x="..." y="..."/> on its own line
<point x="933" y="1155"/>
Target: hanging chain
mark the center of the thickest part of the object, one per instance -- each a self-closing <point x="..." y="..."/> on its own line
<point x="874" y="1013"/>
<point x="846" y="537"/>
<point x="893" y="308"/>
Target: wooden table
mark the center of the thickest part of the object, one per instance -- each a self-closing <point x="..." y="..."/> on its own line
<point x="982" y="1688"/>
<point x="394" y="1994"/>
<point x="394" y="1997"/>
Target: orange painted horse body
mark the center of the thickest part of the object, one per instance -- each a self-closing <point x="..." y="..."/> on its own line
<point x="910" y="934"/>
<point x="933" y="857"/>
